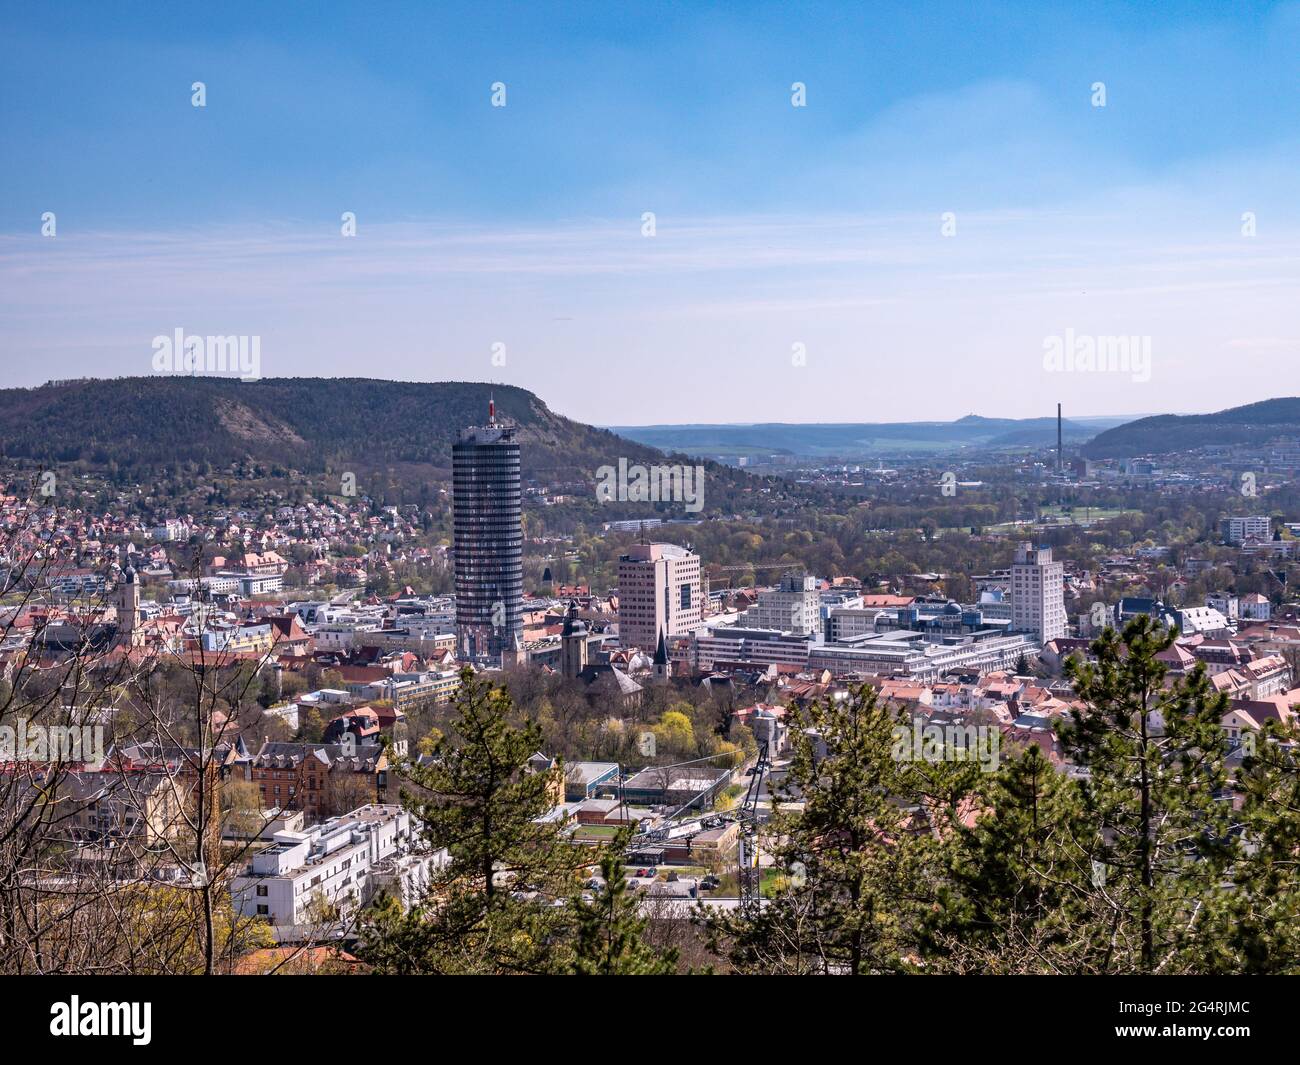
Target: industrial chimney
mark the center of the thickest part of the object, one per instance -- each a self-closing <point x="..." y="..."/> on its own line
<point x="1058" y="439"/>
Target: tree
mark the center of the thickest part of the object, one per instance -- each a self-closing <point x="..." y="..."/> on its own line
<point x="1155" y="829"/>
<point x="675" y="734"/>
<point x="1261" y="928"/>
<point x="491" y="906"/>
<point x="609" y="939"/>
<point x="312" y="728"/>
<point x="1003" y="879"/>
<point x="851" y="854"/>
<point x="241" y="803"/>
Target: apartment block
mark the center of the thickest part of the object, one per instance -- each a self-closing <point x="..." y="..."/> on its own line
<point x="305" y="874"/>
<point x="793" y="606"/>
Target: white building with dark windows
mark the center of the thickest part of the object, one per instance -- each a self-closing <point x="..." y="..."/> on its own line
<point x="1238" y="530"/>
<point x="1038" y="593"/>
<point x="305" y="873"/>
<point x="794" y="606"/>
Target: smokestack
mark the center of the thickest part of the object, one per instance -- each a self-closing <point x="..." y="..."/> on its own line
<point x="1058" y="438"/>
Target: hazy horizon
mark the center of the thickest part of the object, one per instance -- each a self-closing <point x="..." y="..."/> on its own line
<point x="870" y="215"/>
<point x="1211" y="409"/>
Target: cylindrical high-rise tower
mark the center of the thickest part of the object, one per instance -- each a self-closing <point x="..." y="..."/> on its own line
<point x="488" y="539"/>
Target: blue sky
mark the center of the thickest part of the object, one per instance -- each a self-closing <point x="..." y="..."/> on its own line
<point x="776" y="226"/>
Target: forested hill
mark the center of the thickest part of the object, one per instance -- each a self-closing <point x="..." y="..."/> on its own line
<point x="1166" y="433"/>
<point x="148" y="423"/>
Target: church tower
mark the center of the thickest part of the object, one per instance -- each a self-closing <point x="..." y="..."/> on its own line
<point x="514" y="656"/>
<point x="573" y="643"/>
<point x="663" y="667"/>
<point x="128" y="606"/>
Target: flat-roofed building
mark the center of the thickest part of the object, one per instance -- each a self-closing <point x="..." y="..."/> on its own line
<point x="1038" y="593"/>
<point x="304" y="874"/>
<point x="658" y="592"/>
<point x="792" y="606"/>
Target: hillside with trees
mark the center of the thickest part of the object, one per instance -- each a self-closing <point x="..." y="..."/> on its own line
<point x="1167" y="433"/>
<point x="136" y="429"/>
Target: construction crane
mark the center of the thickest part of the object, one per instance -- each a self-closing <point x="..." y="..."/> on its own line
<point x="746" y="567"/>
<point x="750" y="876"/>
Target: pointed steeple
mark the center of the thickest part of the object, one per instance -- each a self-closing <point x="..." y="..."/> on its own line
<point x="661" y="652"/>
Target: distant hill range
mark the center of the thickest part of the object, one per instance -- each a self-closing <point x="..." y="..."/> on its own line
<point x="865" y="440"/>
<point x="304" y="423"/>
<point x="1165" y="433"/>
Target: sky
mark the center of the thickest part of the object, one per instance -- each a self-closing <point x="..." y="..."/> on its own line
<point x="816" y="212"/>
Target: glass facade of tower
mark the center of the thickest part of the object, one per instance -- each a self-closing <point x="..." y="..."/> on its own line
<point x="488" y="540"/>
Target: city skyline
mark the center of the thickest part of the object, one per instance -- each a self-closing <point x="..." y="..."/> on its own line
<point x="759" y="487"/>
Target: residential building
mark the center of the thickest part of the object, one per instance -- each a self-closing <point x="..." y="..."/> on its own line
<point x="321" y="779"/>
<point x="307" y="877"/>
<point x="794" y="606"/>
<point x="1255" y="607"/>
<point x="1226" y="603"/>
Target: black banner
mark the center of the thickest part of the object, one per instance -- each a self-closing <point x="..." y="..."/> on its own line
<point x="143" y="1015"/>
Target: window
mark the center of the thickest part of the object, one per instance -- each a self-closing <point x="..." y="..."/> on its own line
<point x="263" y="911"/>
<point x="261" y="890"/>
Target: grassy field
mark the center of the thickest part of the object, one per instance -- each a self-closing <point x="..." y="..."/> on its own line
<point x="1063" y="516"/>
<point x="729" y="885"/>
<point x="595" y="832"/>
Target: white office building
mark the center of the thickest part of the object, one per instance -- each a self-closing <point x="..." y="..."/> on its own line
<point x="1038" y="593"/>
<point x="920" y="656"/>
<point x="793" y="606"/>
<point x="1237" y="530"/>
